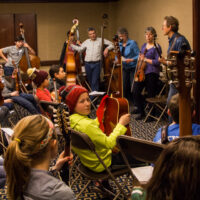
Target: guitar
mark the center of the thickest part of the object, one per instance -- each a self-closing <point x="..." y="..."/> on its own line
<point x="116" y="105"/>
<point x="61" y="120"/>
<point x="181" y="72"/>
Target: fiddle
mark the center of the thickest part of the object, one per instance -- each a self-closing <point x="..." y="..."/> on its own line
<point x="140" y="68"/>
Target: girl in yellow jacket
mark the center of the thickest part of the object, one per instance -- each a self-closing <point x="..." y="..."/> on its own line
<point x="78" y="101"/>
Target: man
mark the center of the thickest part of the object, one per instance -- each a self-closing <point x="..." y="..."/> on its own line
<point x="93" y="56"/>
<point x="169" y="133"/>
<point x="14" y="53"/>
<point x="177" y="42"/>
<point x="63" y="56"/>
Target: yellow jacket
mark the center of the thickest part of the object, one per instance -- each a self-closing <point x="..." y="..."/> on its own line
<point x="103" y="143"/>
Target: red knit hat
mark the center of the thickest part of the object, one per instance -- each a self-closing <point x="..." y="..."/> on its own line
<point x="70" y="95"/>
<point x="38" y="77"/>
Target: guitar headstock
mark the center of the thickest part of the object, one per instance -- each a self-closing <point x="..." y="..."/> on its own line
<point x="61" y="119"/>
<point x="181" y="70"/>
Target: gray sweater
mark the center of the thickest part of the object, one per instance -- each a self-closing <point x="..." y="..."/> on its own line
<point x="43" y="186"/>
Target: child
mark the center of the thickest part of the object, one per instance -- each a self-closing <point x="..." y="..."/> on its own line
<point x="176" y="175"/>
<point x="78" y="101"/>
<point x="40" y="79"/>
<point x="169" y="133"/>
<point x="11" y="95"/>
<point x="59" y="75"/>
<point x="27" y="161"/>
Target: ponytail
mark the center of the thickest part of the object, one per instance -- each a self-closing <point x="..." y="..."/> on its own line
<point x="23" y="150"/>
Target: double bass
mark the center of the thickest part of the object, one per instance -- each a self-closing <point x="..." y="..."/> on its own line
<point x="27" y="61"/>
<point x="70" y="58"/>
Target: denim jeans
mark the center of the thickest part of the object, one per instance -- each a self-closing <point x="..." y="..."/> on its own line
<point x="93" y="74"/>
<point x="8" y="70"/>
<point x="27" y="101"/>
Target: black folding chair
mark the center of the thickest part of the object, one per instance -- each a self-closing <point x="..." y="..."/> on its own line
<point x="82" y="141"/>
<point x="139" y="149"/>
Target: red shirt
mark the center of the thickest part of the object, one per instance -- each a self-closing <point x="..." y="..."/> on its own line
<point x="43" y="95"/>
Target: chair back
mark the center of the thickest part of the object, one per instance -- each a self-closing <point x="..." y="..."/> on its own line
<point x="81" y="140"/>
<point x="142" y="150"/>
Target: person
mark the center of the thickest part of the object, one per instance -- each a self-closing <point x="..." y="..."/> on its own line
<point x="177" y="166"/>
<point x="93" y="47"/>
<point x="78" y="101"/>
<point x="129" y="52"/>
<point x="63" y="57"/>
<point x="56" y="72"/>
<point x="177" y="42"/>
<point x="27" y="161"/>
<point x="169" y="133"/>
<point x="41" y="82"/>
<point x="14" y="53"/>
<point x="11" y="95"/>
<point x="149" y="56"/>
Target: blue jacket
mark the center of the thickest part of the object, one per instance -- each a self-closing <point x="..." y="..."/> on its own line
<point x="180" y="42"/>
<point x="131" y="51"/>
<point x="173" y="132"/>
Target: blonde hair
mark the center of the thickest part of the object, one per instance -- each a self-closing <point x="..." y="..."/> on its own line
<point x="24" y="150"/>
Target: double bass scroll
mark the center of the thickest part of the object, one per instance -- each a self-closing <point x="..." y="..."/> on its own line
<point x="27" y="61"/>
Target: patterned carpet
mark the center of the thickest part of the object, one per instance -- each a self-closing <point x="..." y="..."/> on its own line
<point x="139" y="129"/>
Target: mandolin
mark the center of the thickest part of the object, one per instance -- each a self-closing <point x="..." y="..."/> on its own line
<point x="61" y="120"/>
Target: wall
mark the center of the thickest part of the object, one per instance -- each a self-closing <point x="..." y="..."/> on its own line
<point x="136" y="15"/>
<point x="54" y="19"/>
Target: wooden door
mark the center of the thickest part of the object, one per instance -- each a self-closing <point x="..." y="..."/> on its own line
<point x="9" y="29"/>
<point x="6" y="30"/>
<point x="30" y="28"/>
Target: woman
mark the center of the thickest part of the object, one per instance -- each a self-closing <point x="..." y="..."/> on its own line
<point x="27" y="161"/>
<point x="149" y="55"/>
<point x="176" y="175"/>
<point x="129" y="52"/>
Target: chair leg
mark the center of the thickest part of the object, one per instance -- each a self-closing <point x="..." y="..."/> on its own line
<point x="149" y="113"/>
<point x="161" y="116"/>
<point x="70" y="171"/>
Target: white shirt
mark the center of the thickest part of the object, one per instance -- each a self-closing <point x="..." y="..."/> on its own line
<point x="93" y="49"/>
